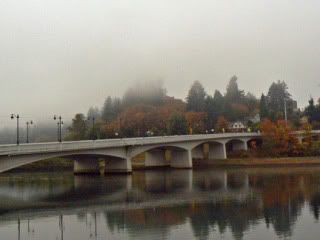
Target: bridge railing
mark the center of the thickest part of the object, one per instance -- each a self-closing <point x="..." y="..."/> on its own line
<point x="106" y="143"/>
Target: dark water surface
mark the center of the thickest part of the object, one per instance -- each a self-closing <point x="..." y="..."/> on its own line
<point x="269" y="203"/>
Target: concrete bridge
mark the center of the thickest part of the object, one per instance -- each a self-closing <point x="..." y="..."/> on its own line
<point x="118" y="153"/>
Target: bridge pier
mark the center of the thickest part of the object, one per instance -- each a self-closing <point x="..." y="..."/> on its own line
<point x="156" y="158"/>
<point x="181" y="158"/>
<point x="217" y="151"/>
<point x="118" y="165"/>
<point x="86" y="165"/>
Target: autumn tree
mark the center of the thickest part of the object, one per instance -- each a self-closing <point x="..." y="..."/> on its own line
<point x="222" y="124"/>
<point x="278" y="139"/>
<point x="196" y="122"/>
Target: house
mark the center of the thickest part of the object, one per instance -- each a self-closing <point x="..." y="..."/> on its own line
<point x="237" y="126"/>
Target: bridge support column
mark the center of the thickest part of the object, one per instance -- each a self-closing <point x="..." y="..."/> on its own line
<point x="155" y="158"/>
<point x="217" y="151"/>
<point x="118" y="165"/>
<point x="181" y="158"/>
<point x="86" y="165"/>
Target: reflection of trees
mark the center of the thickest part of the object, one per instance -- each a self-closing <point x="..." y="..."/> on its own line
<point x="283" y="197"/>
<point x="144" y="221"/>
<point x="315" y="205"/>
<point x="230" y="214"/>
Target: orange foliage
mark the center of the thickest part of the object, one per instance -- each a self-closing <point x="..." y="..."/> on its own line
<point x="278" y="139"/>
<point x="196" y="121"/>
<point x="222" y="123"/>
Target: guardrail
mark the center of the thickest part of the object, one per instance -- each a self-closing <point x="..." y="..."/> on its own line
<point x="30" y="148"/>
<point x="12" y="149"/>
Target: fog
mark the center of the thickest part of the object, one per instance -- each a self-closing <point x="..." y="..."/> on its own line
<point x="61" y="57"/>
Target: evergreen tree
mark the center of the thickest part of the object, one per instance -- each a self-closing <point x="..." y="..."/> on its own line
<point x="233" y="94"/>
<point x="277" y="95"/>
<point x="196" y="98"/>
<point x="264" y="113"/>
<point x="78" y="128"/>
<point x="214" y="108"/>
<point x="177" y="124"/>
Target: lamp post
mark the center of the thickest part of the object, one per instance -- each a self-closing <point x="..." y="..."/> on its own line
<point x="93" y="130"/>
<point x="13" y="116"/>
<point x="285" y="110"/>
<point x="59" y="123"/>
<point x="28" y="123"/>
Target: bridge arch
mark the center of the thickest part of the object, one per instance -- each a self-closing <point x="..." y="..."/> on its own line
<point x="160" y="155"/>
<point x="212" y="149"/>
<point x="84" y="162"/>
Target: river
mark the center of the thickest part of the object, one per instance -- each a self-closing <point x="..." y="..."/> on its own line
<point x="252" y="203"/>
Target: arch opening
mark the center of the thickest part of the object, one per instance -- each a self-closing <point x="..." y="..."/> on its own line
<point x="165" y="156"/>
<point x="236" y="148"/>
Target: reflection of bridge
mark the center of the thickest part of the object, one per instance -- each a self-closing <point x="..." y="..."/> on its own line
<point x="142" y="189"/>
<point x="118" y="153"/>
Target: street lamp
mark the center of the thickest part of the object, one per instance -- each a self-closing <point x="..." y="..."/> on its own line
<point x="285" y="110"/>
<point x="93" y="130"/>
<point x="13" y="116"/>
<point x="59" y="124"/>
<point x="28" y="123"/>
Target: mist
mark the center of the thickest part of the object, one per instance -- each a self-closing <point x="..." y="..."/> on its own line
<point x="61" y="57"/>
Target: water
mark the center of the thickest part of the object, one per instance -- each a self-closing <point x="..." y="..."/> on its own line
<point x="269" y="203"/>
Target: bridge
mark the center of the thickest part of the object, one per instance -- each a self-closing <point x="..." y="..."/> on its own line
<point x="118" y="153"/>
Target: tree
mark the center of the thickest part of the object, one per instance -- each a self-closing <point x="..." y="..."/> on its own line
<point x="312" y="111"/>
<point x="277" y="95"/>
<point x="252" y="103"/>
<point x="234" y="100"/>
<point x="107" y="113"/>
<point x="233" y="94"/>
<point x="222" y="124"/>
<point x="147" y="92"/>
<point x="264" y="112"/>
<point x="78" y="128"/>
<point x="177" y="124"/>
<point x="196" y="122"/>
<point x="214" y="108"/>
<point x="196" y="98"/>
<point x="278" y="139"/>
<point x="93" y="112"/>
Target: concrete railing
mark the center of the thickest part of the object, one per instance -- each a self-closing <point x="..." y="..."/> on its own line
<point x="109" y="143"/>
<point x="11" y="149"/>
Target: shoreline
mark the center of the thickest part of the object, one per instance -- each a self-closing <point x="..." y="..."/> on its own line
<point x="62" y="165"/>
<point x="258" y="162"/>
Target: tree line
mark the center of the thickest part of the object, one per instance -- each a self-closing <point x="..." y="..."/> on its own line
<point x="145" y="109"/>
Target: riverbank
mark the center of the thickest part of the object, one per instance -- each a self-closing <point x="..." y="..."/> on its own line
<point x="60" y="164"/>
<point x="257" y="162"/>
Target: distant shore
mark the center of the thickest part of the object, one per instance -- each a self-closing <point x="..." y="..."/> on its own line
<point x="258" y="162"/>
<point x="59" y="164"/>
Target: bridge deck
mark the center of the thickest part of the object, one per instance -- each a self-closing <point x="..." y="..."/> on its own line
<point x="12" y="149"/>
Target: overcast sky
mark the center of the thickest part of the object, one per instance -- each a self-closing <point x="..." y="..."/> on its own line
<point x="63" y="56"/>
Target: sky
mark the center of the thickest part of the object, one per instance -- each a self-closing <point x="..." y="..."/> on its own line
<point x="61" y="57"/>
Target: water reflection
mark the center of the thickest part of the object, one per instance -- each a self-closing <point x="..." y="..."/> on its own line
<point x="184" y="204"/>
